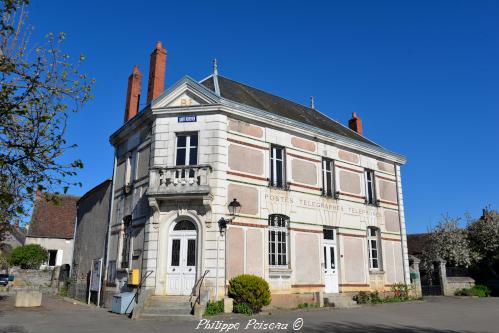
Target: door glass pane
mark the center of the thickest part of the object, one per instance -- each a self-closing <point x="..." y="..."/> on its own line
<point x="331" y="253"/>
<point x="181" y="139"/>
<point x="193" y="156"/>
<point x="175" y="252"/>
<point x="180" y="156"/>
<point x="191" y="252"/>
<point x="278" y="179"/>
<point x="325" y="257"/>
<point x="194" y="140"/>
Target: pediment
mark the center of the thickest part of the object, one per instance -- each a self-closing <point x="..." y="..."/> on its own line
<point x="185" y="93"/>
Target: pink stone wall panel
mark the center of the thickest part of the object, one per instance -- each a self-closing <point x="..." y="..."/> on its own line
<point x="350" y="182"/>
<point x="245" y="159"/>
<point x="304" y="172"/>
<point x="392" y="223"/>
<point x="307" y="264"/>
<point x="244" y="194"/>
<point x="386" y="167"/>
<point x="245" y="128"/>
<point x="303" y="144"/>
<point x="235" y="252"/>
<point x="387" y="190"/>
<point x="348" y="156"/>
<point x="353" y="259"/>
<point x="254" y="252"/>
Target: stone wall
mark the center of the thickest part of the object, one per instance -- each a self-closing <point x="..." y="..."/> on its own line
<point x="90" y="236"/>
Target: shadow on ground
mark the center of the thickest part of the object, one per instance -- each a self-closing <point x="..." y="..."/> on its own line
<point x="360" y="328"/>
<point x="13" y="329"/>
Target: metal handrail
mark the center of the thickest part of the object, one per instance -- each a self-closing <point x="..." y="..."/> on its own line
<point x="139" y="287"/>
<point x="200" y="283"/>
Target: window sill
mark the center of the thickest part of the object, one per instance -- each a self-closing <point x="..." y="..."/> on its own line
<point x="373" y="272"/>
<point x="279" y="270"/>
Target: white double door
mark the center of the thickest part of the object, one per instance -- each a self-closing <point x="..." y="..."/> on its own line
<point x="181" y="269"/>
<point x="330" y="267"/>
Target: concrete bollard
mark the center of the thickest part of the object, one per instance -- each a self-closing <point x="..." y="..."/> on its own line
<point x="228" y="305"/>
<point x="27" y="299"/>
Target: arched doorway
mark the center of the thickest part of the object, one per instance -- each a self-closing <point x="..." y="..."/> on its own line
<point x="182" y="258"/>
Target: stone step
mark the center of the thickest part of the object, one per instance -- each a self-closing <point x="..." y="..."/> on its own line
<point x="340" y="301"/>
<point x="167" y="317"/>
<point x="167" y="308"/>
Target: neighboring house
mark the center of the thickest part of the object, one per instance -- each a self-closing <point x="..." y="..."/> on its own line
<point x="90" y="236"/>
<point x="13" y="238"/>
<point x="321" y="205"/>
<point x="52" y="227"/>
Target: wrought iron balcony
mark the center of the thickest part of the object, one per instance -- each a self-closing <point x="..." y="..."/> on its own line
<point x="179" y="181"/>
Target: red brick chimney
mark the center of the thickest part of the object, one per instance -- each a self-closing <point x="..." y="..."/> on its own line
<point x="157" y="69"/>
<point x="133" y="94"/>
<point x="355" y="124"/>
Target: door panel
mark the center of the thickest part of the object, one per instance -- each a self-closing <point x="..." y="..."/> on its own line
<point x="181" y="271"/>
<point x="330" y="271"/>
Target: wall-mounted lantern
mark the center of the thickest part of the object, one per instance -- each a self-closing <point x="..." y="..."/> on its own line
<point x="234" y="209"/>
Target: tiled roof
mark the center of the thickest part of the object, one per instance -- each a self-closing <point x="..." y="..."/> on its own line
<point x="244" y="94"/>
<point x="53" y="220"/>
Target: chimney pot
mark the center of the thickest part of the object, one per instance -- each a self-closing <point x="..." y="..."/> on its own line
<point x="355" y="124"/>
<point x="157" y="69"/>
<point x="133" y="94"/>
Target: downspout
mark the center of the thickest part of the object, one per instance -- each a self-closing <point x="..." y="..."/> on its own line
<point x="403" y="232"/>
<point x="111" y="205"/>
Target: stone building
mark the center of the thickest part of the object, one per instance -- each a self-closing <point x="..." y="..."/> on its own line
<point x="321" y="204"/>
<point x="52" y="227"/>
<point x="90" y="237"/>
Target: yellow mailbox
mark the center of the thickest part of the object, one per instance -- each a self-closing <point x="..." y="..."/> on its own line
<point x="134" y="277"/>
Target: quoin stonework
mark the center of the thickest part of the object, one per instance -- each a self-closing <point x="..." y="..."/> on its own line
<point x="321" y="205"/>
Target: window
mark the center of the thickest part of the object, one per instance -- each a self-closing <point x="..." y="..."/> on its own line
<point x="187" y="149"/>
<point x="278" y="240"/>
<point x="111" y="272"/>
<point x="370" y="188"/>
<point x="277" y="171"/>
<point x="328" y="186"/>
<point x="131" y="162"/>
<point x="126" y="241"/>
<point x="52" y="257"/>
<point x="373" y="248"/>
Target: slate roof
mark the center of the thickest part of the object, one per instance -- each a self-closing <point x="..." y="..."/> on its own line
<point x="244" y="94"/>
<point x="51" y="220"/>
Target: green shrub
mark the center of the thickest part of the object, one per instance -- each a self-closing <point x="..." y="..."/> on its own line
<point x="251" y="290"/>
<point x="28" y="256"/>
<point x="214" y="308"/>
<point x="477" y="290"/>
<point x="243" y="308"/>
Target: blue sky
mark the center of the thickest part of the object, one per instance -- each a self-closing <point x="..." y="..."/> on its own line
<point x="423" y="75"/>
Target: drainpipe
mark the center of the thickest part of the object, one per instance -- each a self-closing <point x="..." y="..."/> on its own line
<point x="216" y="275"/>
<point x="106" y="248"/>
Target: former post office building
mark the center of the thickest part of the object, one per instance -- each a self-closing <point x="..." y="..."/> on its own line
<point x="318" y="206"/>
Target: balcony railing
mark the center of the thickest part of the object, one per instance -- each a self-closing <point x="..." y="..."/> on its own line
<point x="179" y="181"/>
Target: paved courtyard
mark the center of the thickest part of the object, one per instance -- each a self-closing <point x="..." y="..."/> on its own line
<point x="434" y="315"/>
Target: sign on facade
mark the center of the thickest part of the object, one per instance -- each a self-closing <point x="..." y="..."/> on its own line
<point x="95" y="279"/>
<point x="187" y="119"/>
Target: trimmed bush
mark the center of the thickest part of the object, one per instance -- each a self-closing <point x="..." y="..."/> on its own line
<point x="214" y="308"/>
<point x="251" y="290"/>
<point x="28" y="256"/>
<point x="243" y="308"/>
